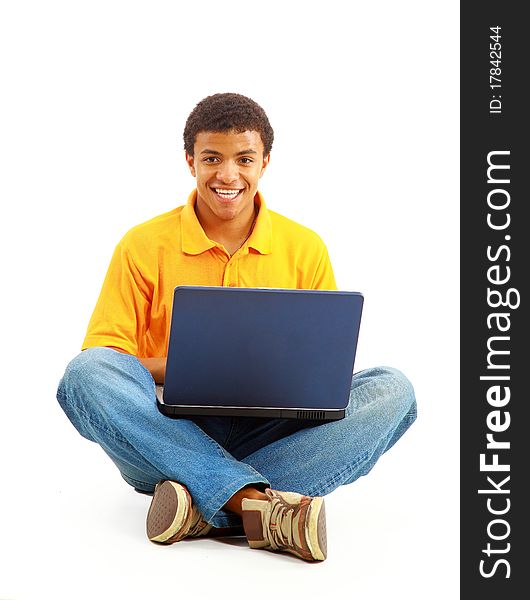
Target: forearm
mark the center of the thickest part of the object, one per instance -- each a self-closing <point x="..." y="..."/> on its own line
<point x="155" y="366"/>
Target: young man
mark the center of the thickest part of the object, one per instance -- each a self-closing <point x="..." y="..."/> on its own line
<point x="212" y="475"/>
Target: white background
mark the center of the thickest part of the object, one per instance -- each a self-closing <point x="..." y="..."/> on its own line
<point x="363" y="98"/>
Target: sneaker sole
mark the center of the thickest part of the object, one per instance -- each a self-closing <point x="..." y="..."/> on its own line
<point x="316" y="535"/>
<point x="169" y="512"/>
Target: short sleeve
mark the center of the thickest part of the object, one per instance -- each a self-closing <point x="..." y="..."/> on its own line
<point x="323" y="277"/>
<point x="122" y="311"/>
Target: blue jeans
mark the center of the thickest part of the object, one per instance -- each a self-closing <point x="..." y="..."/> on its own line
<point x="110" y="399"/>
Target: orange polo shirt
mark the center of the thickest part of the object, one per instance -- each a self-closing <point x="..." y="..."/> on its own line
<point x="133" y="311"/>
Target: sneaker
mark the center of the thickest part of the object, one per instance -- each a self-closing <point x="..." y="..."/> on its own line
<point x="172" y="515"/>
<point x="287" y="522"/>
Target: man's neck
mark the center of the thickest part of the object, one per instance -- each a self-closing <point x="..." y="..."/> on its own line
<point x="230" y="233"/>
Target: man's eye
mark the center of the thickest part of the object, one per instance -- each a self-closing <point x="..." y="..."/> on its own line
<point x="210" y="159"/>
<point x="246" y="161"/>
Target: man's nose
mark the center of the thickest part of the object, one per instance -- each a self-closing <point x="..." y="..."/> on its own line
<point x="228" y="172"/>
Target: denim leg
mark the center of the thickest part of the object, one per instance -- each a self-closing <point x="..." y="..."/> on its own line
<point x="316" y="460"/>
<point x="110" y="398"/>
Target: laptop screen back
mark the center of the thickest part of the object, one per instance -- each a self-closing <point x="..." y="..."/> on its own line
<point x="267" y="348"/>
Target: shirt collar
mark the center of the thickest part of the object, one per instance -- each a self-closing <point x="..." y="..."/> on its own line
<point x="195" y="240"/>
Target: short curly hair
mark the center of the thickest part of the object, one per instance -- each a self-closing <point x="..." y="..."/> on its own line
<point x="228" y="112"/>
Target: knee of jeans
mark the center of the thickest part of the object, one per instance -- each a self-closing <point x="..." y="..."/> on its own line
<point x="403" y="391"/>
<point x="88" y="363"/>
<point x="394" y="390"/>
<point x="77" y="379"/>
<point x="89" y="369"/>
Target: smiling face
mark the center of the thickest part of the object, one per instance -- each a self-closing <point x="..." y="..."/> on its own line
<point x="227" y="166"/>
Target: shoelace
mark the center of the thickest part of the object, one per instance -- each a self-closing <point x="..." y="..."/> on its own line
<point x="279" y="525"/>
<point x="198" y="525"/>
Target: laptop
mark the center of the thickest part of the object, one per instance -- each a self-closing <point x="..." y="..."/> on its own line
<point x="260" y="352"/>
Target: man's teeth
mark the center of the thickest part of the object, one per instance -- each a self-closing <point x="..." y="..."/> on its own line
<point x="228" y="194"/>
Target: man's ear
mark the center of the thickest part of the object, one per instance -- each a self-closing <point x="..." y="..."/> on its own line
<point x="191" y="163"/>
<point x="266" y="160"/>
